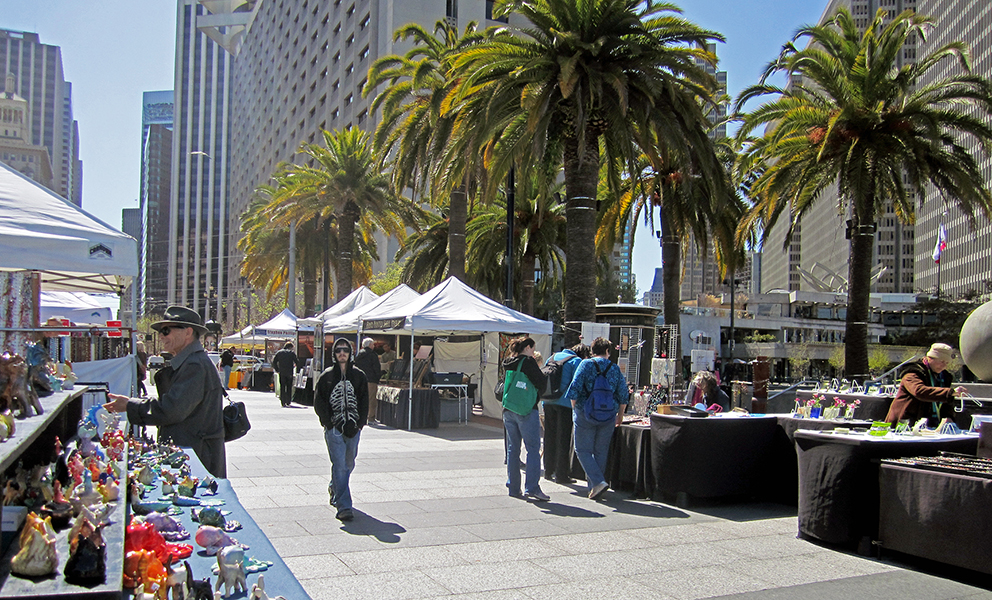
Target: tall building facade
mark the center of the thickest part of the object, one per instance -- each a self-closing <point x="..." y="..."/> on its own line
<point x="301" y="69"/>
<point x="966" y="264"/>
<point x="816" y="259"/>
<point x="131" y="225"/>
<point x="16" y="149"/>
<point x="37" y="71"/>
<point x="157" y="110"/>
<point x="208" y="35"/>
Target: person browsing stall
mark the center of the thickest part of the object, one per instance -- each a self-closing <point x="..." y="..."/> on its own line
<point x="341" y="401"/>
<point x="924" y="388"/>
<point x="368" y="361"/>
<point x="593" y="431"/>
<point x="558" y="418"/>
<point x="523" y="428"/>
<point x="190" y="403"/>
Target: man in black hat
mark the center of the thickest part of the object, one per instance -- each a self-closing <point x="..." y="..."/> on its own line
<point x="190" y="403"/>
<point x="341" y="401"/>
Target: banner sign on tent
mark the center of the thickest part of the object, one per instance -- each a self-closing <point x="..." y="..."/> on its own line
<point x="384" y="323"/>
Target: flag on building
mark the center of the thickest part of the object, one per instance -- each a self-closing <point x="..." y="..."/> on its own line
<point x="941" y="245"/>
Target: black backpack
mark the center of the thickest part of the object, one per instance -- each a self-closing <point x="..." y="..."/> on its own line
<point x="552" y="373"/>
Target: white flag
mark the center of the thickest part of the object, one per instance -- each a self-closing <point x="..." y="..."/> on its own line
<point x="941" y="245"/>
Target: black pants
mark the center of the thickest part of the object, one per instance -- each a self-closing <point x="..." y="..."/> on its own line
<point x="285" y="388"/>
<point x="557" y="441"/>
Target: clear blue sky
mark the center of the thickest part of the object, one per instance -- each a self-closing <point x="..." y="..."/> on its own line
<point x="113" y="50"/>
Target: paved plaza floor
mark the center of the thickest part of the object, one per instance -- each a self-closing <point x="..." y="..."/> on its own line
<point x="433" y="519"/>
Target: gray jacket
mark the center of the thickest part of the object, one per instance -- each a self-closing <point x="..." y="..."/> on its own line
<point x="189" y="409"/>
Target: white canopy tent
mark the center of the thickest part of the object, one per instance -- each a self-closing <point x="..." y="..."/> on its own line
<point x="358" y="297"/>
<point x="351" y="322"/>
<point x="71" y="249"/>
<point x="78" y="307"/>
<point x="451" y="308"/>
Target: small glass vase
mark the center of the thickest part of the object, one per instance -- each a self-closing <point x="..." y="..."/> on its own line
<point x="831" y="412"/>
<point x="815" y="411"/>
<point x="849" y="413"/>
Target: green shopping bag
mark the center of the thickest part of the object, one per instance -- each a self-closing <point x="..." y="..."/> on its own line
<point x="519" y="394"/>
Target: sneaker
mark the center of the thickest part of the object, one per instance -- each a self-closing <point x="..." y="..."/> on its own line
<point x="598" y="490"/>
<point x="564" y="480"/>
<point x="345" y="514"/>
<point x="539" y="496"/>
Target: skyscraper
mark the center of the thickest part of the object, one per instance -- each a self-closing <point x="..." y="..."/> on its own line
<point x="154" y="198"/>
<point x="37" y="71"/>
<point x="16" y="149"/>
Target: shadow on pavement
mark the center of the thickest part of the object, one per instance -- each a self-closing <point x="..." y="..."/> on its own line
<point x="756" y="511"/>
<point x="365" y="524"/>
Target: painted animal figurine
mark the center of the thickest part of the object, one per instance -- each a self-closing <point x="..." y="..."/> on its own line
<point x="258" y="591"/>
<point x="141" y="594"/>
<point x="171" y="529"/>
<point x="143" y="567"/>
<point x="213" y="539"/>
<point x="175" y="582"/>
<point x="198" y="589"/>
<point x="39" y="369"/>
<point x="38" y="555"/>
<point x="16" y="394"/>
<point x="230" y="569"/>
<point x="87" y="561"/>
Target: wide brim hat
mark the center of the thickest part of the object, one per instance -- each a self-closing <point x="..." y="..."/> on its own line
<point x="180" y="316"/>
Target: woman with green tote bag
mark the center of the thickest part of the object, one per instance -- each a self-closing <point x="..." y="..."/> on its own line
<point x="522" y="380"/>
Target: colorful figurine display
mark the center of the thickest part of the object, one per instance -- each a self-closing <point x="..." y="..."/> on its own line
<point x="38" y="555"/>
<point x="231" y="572"/>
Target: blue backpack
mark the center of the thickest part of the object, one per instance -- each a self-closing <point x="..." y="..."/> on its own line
<point x="600" y="406"/>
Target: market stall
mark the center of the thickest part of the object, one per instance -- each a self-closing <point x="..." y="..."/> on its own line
<point x="838" y="480"/>
<point x="453" y="308"/>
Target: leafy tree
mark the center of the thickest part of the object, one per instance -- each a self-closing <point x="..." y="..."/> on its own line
<point x="836" y="359"/>
<point x="878" y="360"/>
<point x="387" y="280"/>
<point x="582" y="81"/>
<point x="852" y="119"/>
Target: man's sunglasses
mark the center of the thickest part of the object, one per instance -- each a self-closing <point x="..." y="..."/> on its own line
<point x="340" y="350"/>
<point x="168" y="328"/>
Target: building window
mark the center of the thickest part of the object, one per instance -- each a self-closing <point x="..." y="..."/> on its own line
<point x="365" y="22"/>
<point x="347" y="100"/>
<point x="451" y="9"/>
<point x="489" y="13"/>
<point x="364" y="53"/>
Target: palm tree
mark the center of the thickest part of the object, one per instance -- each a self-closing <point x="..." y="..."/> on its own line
<point x="428" y="251"/>
<point x="875" y="131"/>
<point x="584" y="79"/>
<point x="344" y="184"/>
<point x="413" y="131"/>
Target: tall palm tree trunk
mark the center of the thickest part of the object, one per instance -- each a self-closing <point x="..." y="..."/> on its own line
<point x="858" y="296"/>
<point x="346" y="241"/>
<point x="457" y="217"/>
<point x="671" y="270"/>
<point x="581" y="179"/>
<point x="309" y="272"/>
<point x="527" y="266"/>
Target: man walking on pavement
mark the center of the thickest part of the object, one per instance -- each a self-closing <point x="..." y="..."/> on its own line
<point x="341" y="401"/>
<point x="368" y="361"/>
<point x="284" y="362"/>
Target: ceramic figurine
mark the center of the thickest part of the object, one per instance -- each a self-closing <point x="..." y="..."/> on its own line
<point x="142" y="567"/>
<point x="58" y="508"/>
<point x="258" y="591"/>
<point x="39" y="369"/>
<point x="98" y="514"/>
<point x="15" y="393"/>
<point x="86" y="495"/>
<point x="175" y="581"/>
<point x="38" y="555"/>
<point x="5" y="430"/>
<point x="187" y="487"/>
<point x="198" y="589"/>
<point x="210" y="515"/>
<point x="87" y="561"/>
<point x="171" y="529"/>
<point x="231" y="572"/>
<point x="213" y="539"/>
<point x="141" y="594"/>
<point x="109" y="491"/>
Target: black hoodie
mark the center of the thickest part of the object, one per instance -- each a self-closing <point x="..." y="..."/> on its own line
<point x="342" y="402"/>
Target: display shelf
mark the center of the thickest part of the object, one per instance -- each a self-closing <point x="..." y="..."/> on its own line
<point x="29" y="429"/>
<point x="55" y="585"/>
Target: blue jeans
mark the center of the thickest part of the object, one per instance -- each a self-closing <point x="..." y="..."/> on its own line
<point x="592" y="446"/>
<point x="528" y="430"/>
<point x="227" y="377"/>
<point x="342" y="452"/>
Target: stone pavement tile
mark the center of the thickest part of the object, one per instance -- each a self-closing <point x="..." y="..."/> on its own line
<point x="260" y="502"/>
<point x="587" y="563"/>
<point x="492" y="576"/>
<point x="492" y="595"/>
<point x="392" y="495"/>
<point x="324" y="544"/>
<point x="393" y="508"/>
<point x="699" y="582"/>
<point x="896" y="585"/>
<point x="786" y="570"/>
<point x="430" y="536"/>
<point x="614" y="588"/>
<point x="688" y="556"/>
<point x="674" y="534"/>
<point x="263" y="489"/>
<point x="603" y="541"/>
<point x="789" y="525"/>
<point x="424" y="558"/>
<point x="281" y="529"/>
<point x="850" y="565"/>
<point x="405" y="585"/>
<point x="317" y="566"/>
<point x="299" y="480"/>
<point x="300" y="500"/>
<point x="499" y="550"/>
<point x="514" y="529"/>
<point x="769" y="546"/>
<point x="444" y="518"/>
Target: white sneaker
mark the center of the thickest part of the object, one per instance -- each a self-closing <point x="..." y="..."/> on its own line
<point x="598" y="490"/>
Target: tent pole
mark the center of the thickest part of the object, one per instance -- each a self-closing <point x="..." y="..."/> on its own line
<point x="409" y="402"/>
<point x="134" y="338"/>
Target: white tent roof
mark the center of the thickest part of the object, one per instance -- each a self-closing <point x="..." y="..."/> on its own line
<point x="356" y="298"/>
<point x="73" y="250"/>
<point x="451" y="307"/>
<point x="398" y="297"/>
<point x="282" y="325"/>
<point x="78" y="307"/>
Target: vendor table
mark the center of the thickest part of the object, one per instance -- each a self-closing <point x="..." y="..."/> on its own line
<point x="939" y="516"/>
<point x="394" y="403"/>
<point x="838" y="480"/>
<point x="462" y="390"/>
<point x="709" y="457"/>
<point x="279" y="580"/>
<point x="628" y="466"/>
<point x="872" y="408"/>
<point x="783" y="484"/>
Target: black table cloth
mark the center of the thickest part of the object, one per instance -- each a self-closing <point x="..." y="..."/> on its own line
<point x="838" y="480"/>
<point x="394" y="403"/>
<point x="710" y="457"/>
<point x="628" y="465"/>
<point x="939" y="516"/>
